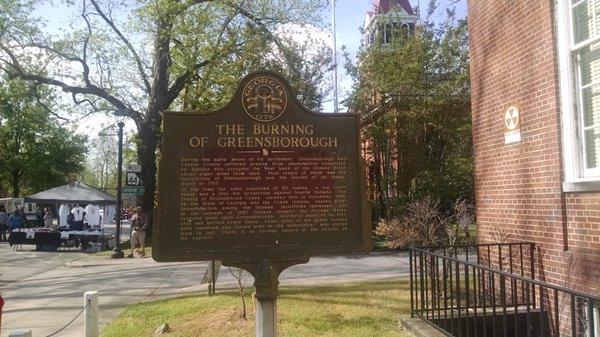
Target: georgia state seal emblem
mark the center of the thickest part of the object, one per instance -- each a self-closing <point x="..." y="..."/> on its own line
<point x="264" y="98"/>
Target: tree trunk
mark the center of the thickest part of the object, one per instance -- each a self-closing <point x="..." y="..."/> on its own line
<point x="244" y="314"/>
<point x="16" y="177"/>
<point x="146" y="153"/>
<point x="149" y="128"/>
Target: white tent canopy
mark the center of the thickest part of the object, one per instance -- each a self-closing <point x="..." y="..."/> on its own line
<point x="75" y="193"/>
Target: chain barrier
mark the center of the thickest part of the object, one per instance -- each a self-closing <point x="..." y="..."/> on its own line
<point x="71" y="321"/>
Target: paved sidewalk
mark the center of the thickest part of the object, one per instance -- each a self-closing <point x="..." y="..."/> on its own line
<point x="49" y="298"/>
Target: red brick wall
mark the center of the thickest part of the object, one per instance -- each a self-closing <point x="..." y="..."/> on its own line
<point x="519" y="186"/>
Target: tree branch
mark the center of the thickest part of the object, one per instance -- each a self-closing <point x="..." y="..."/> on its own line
<point x="55" y="51"/>
<point x="262" y="26"/>
<point x="17" y="71"/>
<point x="191" y="3"/>
<point x="86" y="68"/>
<point x="85" y="100"/>
<point x="123" y="39"/>
<point x="38" y="98"/>
<point x="182" y="80"/>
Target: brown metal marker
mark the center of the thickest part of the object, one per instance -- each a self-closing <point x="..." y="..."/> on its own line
<point x="261" y="184"/>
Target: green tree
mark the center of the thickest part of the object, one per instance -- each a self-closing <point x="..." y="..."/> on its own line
<point x="414" y="95"/>
<point x="37" y="153"/>
<point x="102" y="158"/>
<point x="144" y="57"/>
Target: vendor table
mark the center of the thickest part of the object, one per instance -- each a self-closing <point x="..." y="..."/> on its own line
<point x="51" y="241"/>
<point x="43" y="241"/>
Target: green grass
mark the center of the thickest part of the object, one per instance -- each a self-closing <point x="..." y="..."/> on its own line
<point x="352" y="309"/>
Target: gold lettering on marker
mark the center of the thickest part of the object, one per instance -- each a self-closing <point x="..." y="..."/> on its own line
<point x="267" y="136"/>
<point x="231" y="129"/>
<point x="198" y="141"/>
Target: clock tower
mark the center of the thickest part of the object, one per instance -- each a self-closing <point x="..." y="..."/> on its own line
<point x="387" y="20"/>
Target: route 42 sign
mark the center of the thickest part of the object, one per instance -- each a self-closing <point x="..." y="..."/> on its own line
<point x="133" y="179"/>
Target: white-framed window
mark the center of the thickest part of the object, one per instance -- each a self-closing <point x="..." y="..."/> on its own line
<point x="387" y="33"/>
<point x="578" y="32"/>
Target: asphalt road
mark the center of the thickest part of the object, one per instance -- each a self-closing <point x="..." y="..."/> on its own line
<point x="43" y="291"/>
<point x="125" y="230"/>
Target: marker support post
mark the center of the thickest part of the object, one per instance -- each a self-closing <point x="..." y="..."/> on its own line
<point x="266" y="282"/>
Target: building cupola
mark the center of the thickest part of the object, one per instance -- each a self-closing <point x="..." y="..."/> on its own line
<point x="387" y="19"/>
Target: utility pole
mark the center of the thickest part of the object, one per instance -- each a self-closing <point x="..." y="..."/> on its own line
<point x="335" y="63"/>
<point x="117" y="252"/>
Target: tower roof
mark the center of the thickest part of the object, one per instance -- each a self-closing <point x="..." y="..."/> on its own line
<point x="383" y="6"/>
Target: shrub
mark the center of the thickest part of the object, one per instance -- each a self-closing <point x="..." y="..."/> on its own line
<point x="424" y="224"/>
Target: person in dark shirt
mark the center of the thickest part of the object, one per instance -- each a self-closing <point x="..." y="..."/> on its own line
<point x="15" y="220"/>
<point x="3" y="223"/>
<point x="138" y="236"/>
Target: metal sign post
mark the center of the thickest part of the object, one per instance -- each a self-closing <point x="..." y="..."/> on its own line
<point x="117" y="252"/>
<point x="266" y="282"/>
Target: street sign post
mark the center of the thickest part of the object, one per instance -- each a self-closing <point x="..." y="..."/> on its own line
<point x="261" y="184"/>
<point x="132" y="190"/>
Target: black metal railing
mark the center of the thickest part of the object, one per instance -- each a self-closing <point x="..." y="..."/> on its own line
<point x="489" y="290"/>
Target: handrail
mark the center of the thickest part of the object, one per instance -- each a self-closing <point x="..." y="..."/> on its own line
<point x="518" y="277"/>
<point x="476" y="245"/>
<point x="497" y="294"/>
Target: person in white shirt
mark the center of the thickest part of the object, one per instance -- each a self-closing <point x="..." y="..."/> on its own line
<point x="92" y="215"/>
<point x="63" y="214"/>
<point x="77" y="212"/>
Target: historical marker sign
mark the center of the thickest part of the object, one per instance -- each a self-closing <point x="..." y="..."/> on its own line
<point x="260" y="178"/>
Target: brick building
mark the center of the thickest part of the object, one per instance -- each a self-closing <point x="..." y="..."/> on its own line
<point x="535" y="73"/>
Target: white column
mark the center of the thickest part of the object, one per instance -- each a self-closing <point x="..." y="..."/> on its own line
<point x="90" y="317"/>
<point x="266" y="317"/>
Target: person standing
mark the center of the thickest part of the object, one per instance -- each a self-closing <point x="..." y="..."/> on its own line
<point x="15" y="220"/>
<point x="39" y="217"/>
<point x="3" y="223"/>
<point x="48" y="217"/>
<point x="24" y="222"/>
<point x="138" y="236"/>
